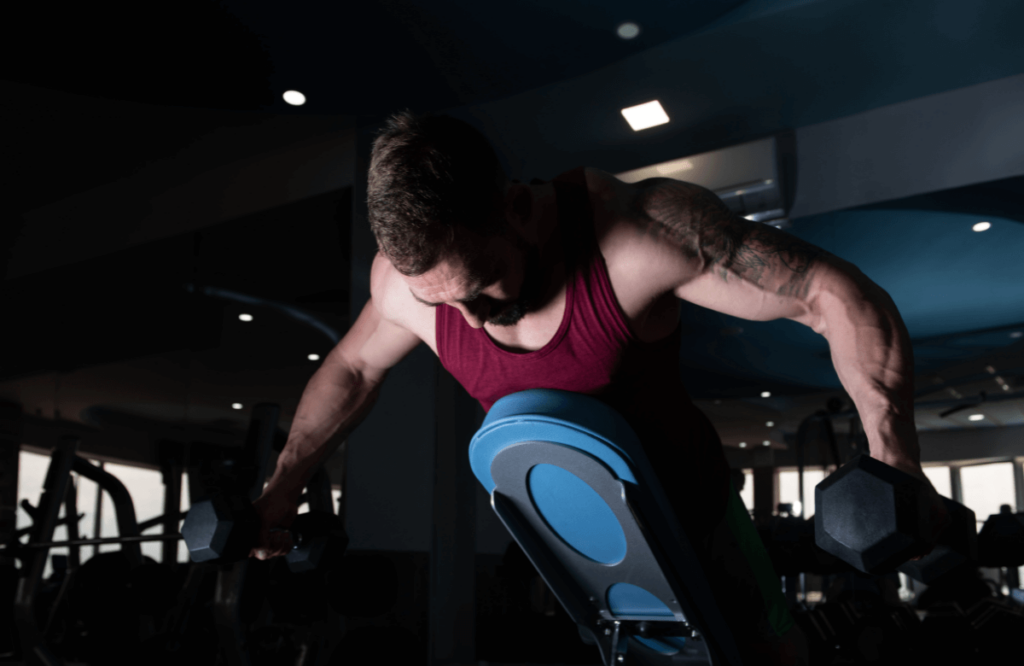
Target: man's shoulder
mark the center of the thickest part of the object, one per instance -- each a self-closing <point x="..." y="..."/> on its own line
<point x="640" y="259"/>
<point x="395" y="303"/>
<point x="620" y="219"/>
<point x="390" y="294"/>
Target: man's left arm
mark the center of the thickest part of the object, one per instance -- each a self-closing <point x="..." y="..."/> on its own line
<point x="719" y="260"/>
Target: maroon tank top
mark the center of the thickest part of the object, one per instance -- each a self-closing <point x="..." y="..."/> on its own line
<point x="595" y="353"/>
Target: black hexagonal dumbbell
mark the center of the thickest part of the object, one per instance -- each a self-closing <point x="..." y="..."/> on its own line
<point x="318" y="541"/>
<point x="225" y="528"/>
<point x="873" y="516"/>
<point x="957" y="546"/>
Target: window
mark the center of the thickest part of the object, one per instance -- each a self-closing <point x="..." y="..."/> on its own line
<point x="789" y="489"/>
<point x="145" y="486"/>
<point x="147" y="490"/>
<point x="986" y="487"/>
<point x="939" y="476"/>
<point x="31" y="474"/>
<point x="747" y="494"/>
<point x="336" y="496"/>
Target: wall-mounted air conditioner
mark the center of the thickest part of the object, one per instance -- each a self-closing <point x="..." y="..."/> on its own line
<point x="754" y="179"/>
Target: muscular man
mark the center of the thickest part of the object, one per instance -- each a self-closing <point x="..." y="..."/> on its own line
<point x="575" y="284"/>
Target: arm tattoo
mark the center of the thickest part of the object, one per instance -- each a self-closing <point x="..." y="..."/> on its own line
<point x="698" y="223"/>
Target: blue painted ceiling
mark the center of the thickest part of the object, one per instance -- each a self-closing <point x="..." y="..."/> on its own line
<point x="960" y="293"/>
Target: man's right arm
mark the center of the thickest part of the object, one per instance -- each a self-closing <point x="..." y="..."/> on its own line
<point x="336" y="400"/>
<point x="340" y="395"/>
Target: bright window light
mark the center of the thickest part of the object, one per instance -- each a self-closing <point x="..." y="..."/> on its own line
<point x="987" y="487"/>
<point x="976" y="417"/>
<point x="294" y="97"/>
<point x="766" y="394"/>
<point x="628" y="30"/>
<point x="645" y="115"/>
<point x="1017" y="334"/>
<point x="983" y="226"/>
<point x="747" y="494"/>
<point x="314" y="357"/>
<point x="245" y="317"/>
<point x="668" y="168"/>
<point x="939" y="476"/>
<point x="236" y="405"/>
<point x="789" y="489"/>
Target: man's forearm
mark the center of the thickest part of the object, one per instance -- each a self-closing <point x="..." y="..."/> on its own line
<point x="334" y="402"/>
<point x="873" y="356"/>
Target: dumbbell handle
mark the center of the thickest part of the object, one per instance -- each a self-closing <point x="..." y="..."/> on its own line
<point x="296" y="536"/>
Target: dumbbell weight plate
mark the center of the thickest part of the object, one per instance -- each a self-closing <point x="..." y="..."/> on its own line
<point x="871" y="515"/>
<point x="321" y="541"/>
<point x="222" y="528"/>
<point x="958" y="545"/>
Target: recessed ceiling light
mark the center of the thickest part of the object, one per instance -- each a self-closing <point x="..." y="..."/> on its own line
<point x="314" y="357"/>
<point x="628" y="30"/>
<point x="766" y="394"/>
<point x="743" y="445"/>
<point x="770" y="424"/>
<point x="976" y="417"/>
<point x="294" y="97"/>
<point x="1017" y="334"/>
<point x="983" y="226"/>
<point x="245" y="317"/>
<point x="642" y="116"/>
<point x="237" y="405"/>
<point x="766" y="443"/>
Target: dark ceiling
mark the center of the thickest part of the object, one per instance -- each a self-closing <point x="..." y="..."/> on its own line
<point x="353" y="58"/>
<point x="732" y="71"/>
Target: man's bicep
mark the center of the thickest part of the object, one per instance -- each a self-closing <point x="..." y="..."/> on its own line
<point x="733" y="265"/>
<point x="374" y="345"/>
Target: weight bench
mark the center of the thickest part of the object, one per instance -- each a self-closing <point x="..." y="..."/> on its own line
<point x="569" y="480"/>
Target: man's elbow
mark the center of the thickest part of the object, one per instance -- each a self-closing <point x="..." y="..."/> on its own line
<point x="849" y="295"/>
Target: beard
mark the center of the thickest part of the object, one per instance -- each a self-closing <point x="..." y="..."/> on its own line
<point x="530" y="292"/>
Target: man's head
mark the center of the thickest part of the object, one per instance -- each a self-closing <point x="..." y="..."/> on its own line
<point x="446" y="217"/>
<point x="430" y="180"/>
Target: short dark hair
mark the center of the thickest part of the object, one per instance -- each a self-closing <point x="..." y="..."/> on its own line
<point x="431" y="179"/>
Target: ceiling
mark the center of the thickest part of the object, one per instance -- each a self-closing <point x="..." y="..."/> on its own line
<point x="734" y="71"/>
<point x="362" y="58"/>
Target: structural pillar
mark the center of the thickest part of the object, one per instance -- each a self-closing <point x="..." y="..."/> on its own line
<point x="10" y="447"/>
